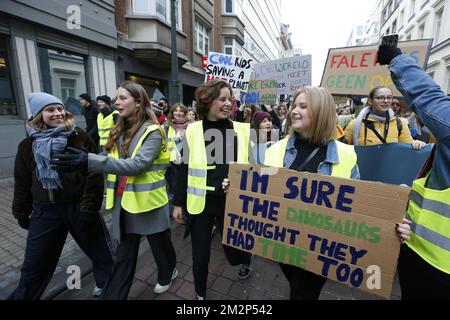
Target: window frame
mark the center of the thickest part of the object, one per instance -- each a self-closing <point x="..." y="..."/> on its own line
<point x="10" y="77"/>
<point x="201" y="31"/>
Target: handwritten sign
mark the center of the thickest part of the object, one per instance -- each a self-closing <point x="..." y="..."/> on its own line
<point x="233" y="69"/>
<point x="355" y="70"/>
<point x="339" y="228"/>
<point x="260" y="91"/>
<point x="290" y="73"/>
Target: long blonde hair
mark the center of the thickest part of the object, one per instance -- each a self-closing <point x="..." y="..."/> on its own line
<point x="322" y="110"/>
<point x="142" y="114"/>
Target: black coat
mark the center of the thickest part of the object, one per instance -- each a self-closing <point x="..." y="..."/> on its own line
<point x="90" y="115"/>
<point x="81" y="187"/>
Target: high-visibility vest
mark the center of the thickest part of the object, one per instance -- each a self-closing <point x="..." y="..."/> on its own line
<point x="147" y="191"/>
<point x="198" y="163"/>
<point x="346" y="153"/>
<point x="429" y="211"/>
<point x="171" y="143"/>
<point x="105" y="125"/>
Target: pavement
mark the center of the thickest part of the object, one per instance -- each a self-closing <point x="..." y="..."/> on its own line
<point x="266" y="283"/>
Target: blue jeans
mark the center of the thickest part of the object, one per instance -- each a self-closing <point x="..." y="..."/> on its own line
<point x="47" y="234"/>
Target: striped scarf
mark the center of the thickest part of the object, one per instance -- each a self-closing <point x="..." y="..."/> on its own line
<point x="48" y="142"/>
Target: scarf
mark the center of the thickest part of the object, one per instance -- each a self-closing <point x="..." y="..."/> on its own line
<point x="47" y="143"/>
<point x="180" y="124"/>
<point x="362" y="115"/>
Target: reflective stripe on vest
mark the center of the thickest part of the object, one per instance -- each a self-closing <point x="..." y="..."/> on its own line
<point x="429" y="211"/>
<point x="171" y="144"/>
<point x="346" y="154"/>
<point x="147" y="191"/>
<point x="105" y="125"/>
<point x="198" y="168"/>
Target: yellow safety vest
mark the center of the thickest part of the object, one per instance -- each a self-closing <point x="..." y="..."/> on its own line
<point x="346" y="153"/>
<point x="171" y="138"/>
<point x="147" y="191"/>
<point x="105" y="125"/>
<point x="198" y="164"/>
<point x="429" y="211"/>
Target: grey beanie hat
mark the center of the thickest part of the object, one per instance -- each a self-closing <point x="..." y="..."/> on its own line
<point x="39" y="100"/>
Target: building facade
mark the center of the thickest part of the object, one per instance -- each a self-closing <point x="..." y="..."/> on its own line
<point x="422" y="19"/>
<point x="92" y="46"/>
<point x="56" y="47"/>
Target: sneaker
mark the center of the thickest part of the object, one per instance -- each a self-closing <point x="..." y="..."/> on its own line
<point x="213" y="231"/>
<point x="197" y="297"/>
<point x="97" y="292"/>
<point x="161" y="289"/>
<point x="246" y="270"/>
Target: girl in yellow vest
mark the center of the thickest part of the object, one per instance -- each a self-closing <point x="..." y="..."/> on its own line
<point x="310" y="146"/>
<point x="135" y="159"/>
<point x="199" y="181"/>
<point x="178" y="123"/>
<point x="377" y="124"/>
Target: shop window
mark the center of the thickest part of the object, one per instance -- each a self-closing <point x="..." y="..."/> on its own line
<point x="8" y="105"/>
<point x="64" y="76"/>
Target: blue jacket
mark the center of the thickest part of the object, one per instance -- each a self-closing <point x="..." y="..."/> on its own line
<point x="326" y="166"/>
<point x="432" y="106"/>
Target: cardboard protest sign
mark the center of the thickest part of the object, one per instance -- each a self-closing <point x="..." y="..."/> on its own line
<point x="260" y="92"/>
<point x="339" y="228"/>
<point x="233" y="69"/>
<point x="290" y="73"/>
<point x="395" y="163"/>
<point x="355" y="70"/>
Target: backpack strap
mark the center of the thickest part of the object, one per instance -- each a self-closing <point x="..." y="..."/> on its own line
<point x="399" y="125"/>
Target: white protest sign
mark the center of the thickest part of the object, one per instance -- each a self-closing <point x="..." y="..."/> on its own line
<point x="291" y="73"/>
<point x="233" y="69"/>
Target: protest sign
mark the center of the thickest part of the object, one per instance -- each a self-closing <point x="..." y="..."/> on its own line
<point x="290" y="73"/>
<point x="260" y="92"/>
<point x="341" y="229"/>
<point x="233" y="69"/>
<point x="395" y="163"/>
<point x="355" y="70"/>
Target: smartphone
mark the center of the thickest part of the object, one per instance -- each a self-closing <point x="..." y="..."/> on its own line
<point x="390" y="40"/>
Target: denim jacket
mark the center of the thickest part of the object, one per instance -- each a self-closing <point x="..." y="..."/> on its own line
<point x="432" y="106"/>
<point x="326" y="166"/>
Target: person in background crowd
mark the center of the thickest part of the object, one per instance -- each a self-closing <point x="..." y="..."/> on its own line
<point x="164" y="104"/>
<point x="310" y="146"/>
<point x="245" y="113"/>
<point x="178" y="123"/>
<point x="419" y="131"/>
<point x="424" y="262"/>
<point x="90" y="112"/>
<point x="262" y="122"/>
<point x="135" y="159"/>
<point x="192" y="115"/>
<point x="158" y="109"/>
<point x="106" y="118"/>
<point x="199" y="181"/>
<point x="396" y="107"/>
<point x="49" y="204"/>
<point x="376" y="124"/>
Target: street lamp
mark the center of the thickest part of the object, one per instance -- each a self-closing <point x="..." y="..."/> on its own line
<point x="175" y="83"/>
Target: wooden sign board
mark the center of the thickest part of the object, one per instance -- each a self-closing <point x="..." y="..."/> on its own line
<point x="341" y="229"/>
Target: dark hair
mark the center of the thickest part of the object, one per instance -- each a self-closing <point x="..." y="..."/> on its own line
<point x="165" y="100"/>
<point x="207" y="93"/>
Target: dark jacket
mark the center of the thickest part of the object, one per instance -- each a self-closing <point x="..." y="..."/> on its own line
<point x="90" y="115"/>
<point x="214" y="177"/>
<point x="78" y="187"/>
